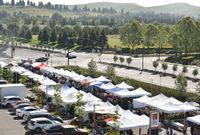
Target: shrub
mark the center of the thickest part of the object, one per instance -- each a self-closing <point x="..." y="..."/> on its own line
<point x="115" y="58"/>
<point x="164" y="66"/>
<point x="121" y="59"/>
<point x="185" y="70"/>
<point x="155" y="64"/>
<point x="129" y="60"/>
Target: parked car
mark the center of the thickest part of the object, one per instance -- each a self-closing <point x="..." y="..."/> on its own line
<point x="13" y="105"/>
<point x="23" y="111"/>
<point x="41" y="114"/>
<point x="63" y="130"/>
<point x="37" y="124"/>
<point x="70" y="56"/>
<point x="9" y="100"/>
<point x="41" y="59"/>
<point x="20" y="106"/>
<point x="3" y="82"/>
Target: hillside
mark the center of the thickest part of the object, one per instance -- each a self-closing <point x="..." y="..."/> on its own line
<point x="177" y="8"/>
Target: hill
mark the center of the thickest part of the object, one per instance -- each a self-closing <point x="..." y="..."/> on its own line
<point x="176" y="8"/>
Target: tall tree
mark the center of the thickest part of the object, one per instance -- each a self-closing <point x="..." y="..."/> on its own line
<point x="1" y="2"/>
<point x="53" y="36"/>
<point x="181" y="84"/>
<point x="151" y="35"/>
<point x="12" y="2"/>
<point x="131" y="34"/>
<point x="187" y="29"/>
<point x="28" y="35"/>
<point x="175" y="41"/>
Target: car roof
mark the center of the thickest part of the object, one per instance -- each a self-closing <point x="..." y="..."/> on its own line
<point x="68" y="126"/>
<point x="29" y="107"/>
<point x="40" y="119"/>
<point x="7" y="97"/>
<point x="23" y="104"/>
<point x="38" y="112"/>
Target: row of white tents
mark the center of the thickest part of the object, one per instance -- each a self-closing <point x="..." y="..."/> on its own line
<point x="160" y="102"/>
<point x="127" y="119"/>
<point x="165" y="104"/>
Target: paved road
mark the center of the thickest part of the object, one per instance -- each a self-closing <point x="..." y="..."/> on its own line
<point x="83" y="59"/>
<point x="9" y="125"/>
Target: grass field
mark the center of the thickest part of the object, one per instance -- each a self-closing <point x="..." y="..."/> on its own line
<point x="34" y="40"/>
<point x="114" y="42"/>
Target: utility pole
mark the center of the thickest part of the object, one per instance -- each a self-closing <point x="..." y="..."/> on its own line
<point x="67" y="49"/>
<point x="159" y="48"/>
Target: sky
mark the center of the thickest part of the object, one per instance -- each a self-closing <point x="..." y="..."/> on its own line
<point x="146" y="3"/>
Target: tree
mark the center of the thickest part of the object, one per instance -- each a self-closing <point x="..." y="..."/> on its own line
<point x="13" y="29"/>
<point x="131" y="34"/>
<point x="174" y="68"/>
<point x="12" y="2"/>
<point x="195" y="72"/>
<point x="23" y="79"/>
<point x="129" y="60"/>
<point x="92" y="67"/>
<point x="121" y="59"/>
<point x="185" y="70"/>
<point x="28" y="35"/>
<point x="53" y="36"/>
<point x="1" y="72"/>
<point x="45" y="35"/>
<point x="175" y="40"/>
<point x="57" y="96"/>
<point x="110" y="71"/>
<point x="10" y="75"/>
<point x="35" y="29"/>
<point x="181" y="84"/>
<point x="79" y="106"/>
<point x="36" y="86"/>
<point x="186" y="27"/>
<point x="151" y="33"/>
<point x="1" y="2"/>
<point x="115" y="58"/>
<point x="155" y="64"/>
<point x="164" y="66"/>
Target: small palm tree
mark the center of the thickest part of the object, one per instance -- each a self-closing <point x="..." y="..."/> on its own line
<point x="129" y="60"/>
<point x="1" y="72"/>
<point x="164" y="66"/>
<point x="121" y="59"/>
<point x="57" y="96"/>
<point x="185" y="70"/>
<point x="174" y="68"/>
<point x="115" y="58"/>
<point x="181" y="84"/>
<point x="195" y="72"/>
<point x="23" y="79"/>
<point x="155" y="64"/>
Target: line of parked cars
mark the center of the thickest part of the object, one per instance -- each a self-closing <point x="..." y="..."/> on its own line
<point x="38" y="120"/>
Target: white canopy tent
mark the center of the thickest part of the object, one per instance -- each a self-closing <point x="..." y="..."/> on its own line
<point x="123" y="85"/>
<point x="3" y="64"/>
<point x="131" y="122"/>
<point x="102" y="79"/>
<point x="169" y="108"/>
<point x="107" y="86"/>
<point x="125" y="93"/>
<point x="194" y="119"/>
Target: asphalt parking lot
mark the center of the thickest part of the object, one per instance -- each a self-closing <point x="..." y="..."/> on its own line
<point x="10" y="124"/>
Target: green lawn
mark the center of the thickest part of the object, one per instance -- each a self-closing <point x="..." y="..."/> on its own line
<point x="34" y="40"/>
<point x="114" y="42"/>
